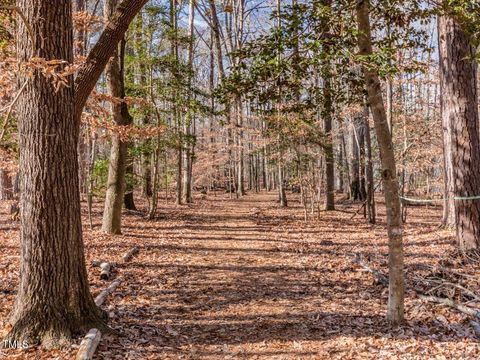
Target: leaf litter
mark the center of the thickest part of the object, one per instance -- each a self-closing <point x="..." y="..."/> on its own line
<point x="245" y="279"/>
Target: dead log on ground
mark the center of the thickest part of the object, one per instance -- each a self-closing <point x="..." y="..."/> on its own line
<point x="434" y="299"/>
<point x="129" y="255"/>
<point x="105" y="270"/>
<point x="100" y="299"/>
<point x="89" y="345"/>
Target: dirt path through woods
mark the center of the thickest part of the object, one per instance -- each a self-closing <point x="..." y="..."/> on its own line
<point x="244" y="279"/>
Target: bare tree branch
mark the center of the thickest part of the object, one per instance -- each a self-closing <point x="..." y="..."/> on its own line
<point x="102" y="51"/>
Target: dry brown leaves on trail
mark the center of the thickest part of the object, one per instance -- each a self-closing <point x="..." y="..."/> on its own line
<point x="244" y="279"/>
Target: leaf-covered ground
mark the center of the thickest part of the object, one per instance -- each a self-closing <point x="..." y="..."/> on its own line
<point x="244" y="279"/>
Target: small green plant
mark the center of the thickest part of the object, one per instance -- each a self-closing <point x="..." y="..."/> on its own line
<point x="99" y="177"/>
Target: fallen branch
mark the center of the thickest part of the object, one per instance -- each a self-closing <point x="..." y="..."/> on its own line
<point x="129" y="255"/>
<point x="10" y="108"/>
<point x="383" y="279"/>
<point x="89" y="345"/>
<point x="476" y="327"/>
<point x="96" y="262"/>
<point x="442" y="283"/>
<point x="434" y="299"/>
<point x="100" y="299"/>
<point x="105" y="270"/>
<point x="92" y="339"/>
<point x="450" y="303"/>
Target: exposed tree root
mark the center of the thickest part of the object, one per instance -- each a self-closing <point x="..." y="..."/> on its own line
<point x="53" y="330"/>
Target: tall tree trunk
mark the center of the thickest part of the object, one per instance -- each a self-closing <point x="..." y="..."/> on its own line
<point x="176" y="113"/>
<point x="355" y="161"/>
<point x="112" y="214"/>
<point x="281" y="185"/>
<point x="370" y="205"/>
<point x="188" y="125"/>
<point x="221" y="73"/>
<point x="329" y="156"/>
<point x="459" y="108"/>
<point x="327" y="113"/>
<point x="240" y="168"/>
<point x="53" y="300"/>
<point x="360" y="133"/>
<point x="128" y="199"/>
<point x="395" y="311"/>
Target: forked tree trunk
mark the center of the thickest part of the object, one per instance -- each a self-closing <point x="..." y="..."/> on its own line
<point x="396" y="287"/>
<point x="53" y="300"/>
<point x="459" y="107"/>
<point x="112" y="214"/>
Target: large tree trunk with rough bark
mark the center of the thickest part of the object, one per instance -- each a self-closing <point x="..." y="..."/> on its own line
<point x="112" y="214"/>
<point x="459" y="107"/>
<point x="53" y="301"/>
<point x="396" y="289"/>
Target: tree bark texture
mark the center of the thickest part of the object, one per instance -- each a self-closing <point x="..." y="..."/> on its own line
<point x="53" y="300"/>
<point x="112" y="214"/>
<point x="395" y="311"/>
<point x="459" y="108"/>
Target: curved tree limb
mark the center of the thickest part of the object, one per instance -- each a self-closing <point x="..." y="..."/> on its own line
<point x="102" y="51"/>
<point x="10" y="108"/>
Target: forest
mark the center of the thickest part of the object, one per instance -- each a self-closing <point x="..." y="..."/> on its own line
<point x="239" y="179"/>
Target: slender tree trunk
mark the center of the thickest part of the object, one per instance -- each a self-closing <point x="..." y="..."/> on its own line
<point x="395" y="311"/>
<point x="240" y="168"/>
<point x="459" y="108"/>
<point x="188" y="125"/>
<point x="142" y="81"/>
<point x="6" y="186"/>
<point x="221" y="73"/>
<point x="369" y="171"/>
<point x="340" y="169"/>
<point x="176" y="113"/>
<point x="448" y="218"/>
<point x="360" y="137"/>
<point x="128" y="199"/>
<point x="355" y="193"/>
<point x="112" y="214"/>
<point x="329" y="156"/>
<point x="53" y="301"/>
<point x="281" y="186"/>
<point x="327" y="115"/>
